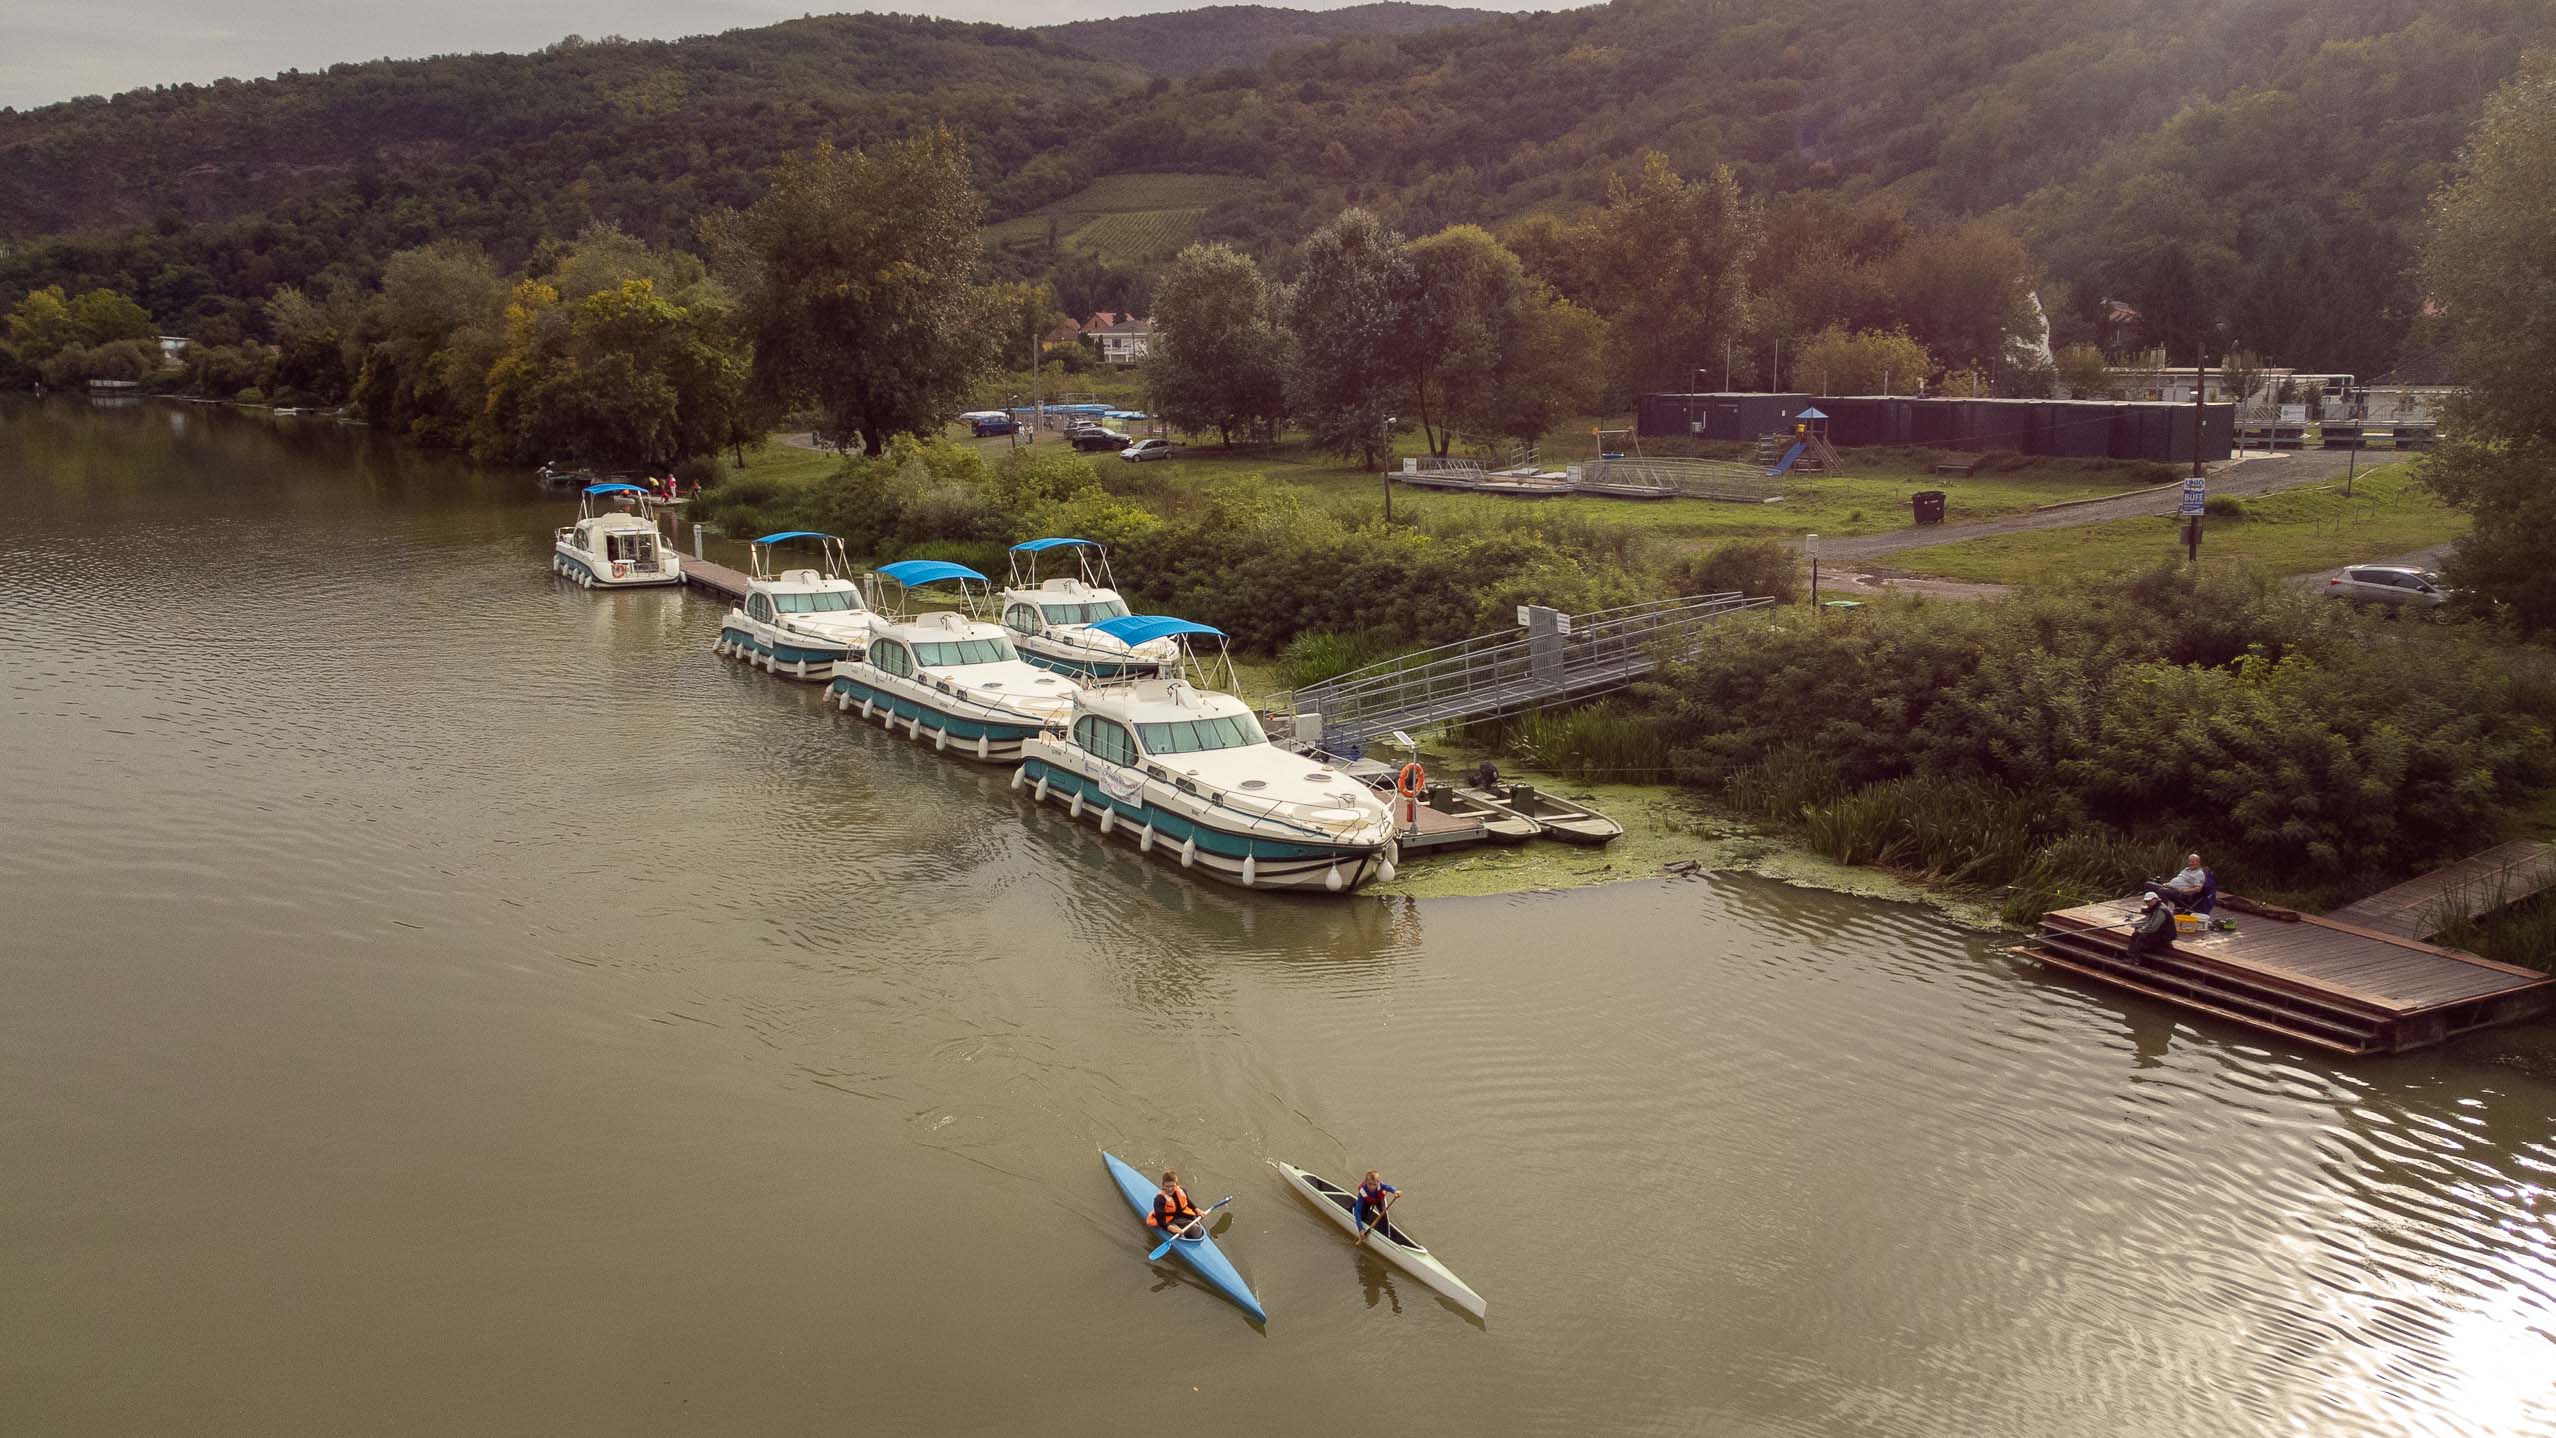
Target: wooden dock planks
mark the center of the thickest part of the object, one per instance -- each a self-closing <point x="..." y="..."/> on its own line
<point x="2504" y="874"/>
<point x="2335" y="985"/>
<point x="717" y="579"/>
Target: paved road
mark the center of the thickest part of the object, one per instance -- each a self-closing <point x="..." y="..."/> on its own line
<point x="2261" y="475"/>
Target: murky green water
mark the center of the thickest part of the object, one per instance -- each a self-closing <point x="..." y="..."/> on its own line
<point x="436" y="999"/>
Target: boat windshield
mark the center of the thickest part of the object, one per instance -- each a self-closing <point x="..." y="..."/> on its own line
<point x="1189" y="736"/>
<point x="963" y="651"/>
<point x="823" y="601"/>
<point x="1092" y="613"/>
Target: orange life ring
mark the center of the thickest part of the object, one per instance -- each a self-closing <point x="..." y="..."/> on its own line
<point x="620" y="570"/>
<point x="1411" y="781"/>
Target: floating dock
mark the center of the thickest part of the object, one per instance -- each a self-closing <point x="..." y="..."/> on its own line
<point x="717" y="580"/>
<point x="2416" y="909"/>
<point x="2333" y="985"/>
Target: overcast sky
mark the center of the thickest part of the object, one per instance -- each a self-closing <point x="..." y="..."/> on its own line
<point x="56" y="49"/>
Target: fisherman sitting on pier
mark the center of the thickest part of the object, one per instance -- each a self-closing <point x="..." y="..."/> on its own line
<point x="2153" y="931"/>
<point x="2194" y="890"/>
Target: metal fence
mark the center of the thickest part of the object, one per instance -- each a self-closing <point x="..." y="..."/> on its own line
<point x="1559" y="658"/>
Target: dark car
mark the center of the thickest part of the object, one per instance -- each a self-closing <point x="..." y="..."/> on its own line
<point x="1093" y="436"/>
<point x="985" y="424"/>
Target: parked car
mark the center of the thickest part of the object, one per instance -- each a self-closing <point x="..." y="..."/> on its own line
<point x="2388" y="584"/>
<point x="1093" y="436"/>
<point x="990" y="423"/>
<point x="1145" y="449"/>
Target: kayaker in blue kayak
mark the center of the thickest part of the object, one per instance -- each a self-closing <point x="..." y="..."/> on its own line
<point x="1375" y="1196"/>
<point x="1172" y="1209"/>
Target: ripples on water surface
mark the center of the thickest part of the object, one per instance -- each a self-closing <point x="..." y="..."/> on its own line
<point x="439" y="999"/>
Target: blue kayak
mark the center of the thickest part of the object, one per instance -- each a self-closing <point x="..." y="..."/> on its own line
<point x="1199" y="1253"/>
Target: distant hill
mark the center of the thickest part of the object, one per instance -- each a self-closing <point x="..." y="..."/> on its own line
<point x="1192" y="42"/>
<point x="2267" y="161"/>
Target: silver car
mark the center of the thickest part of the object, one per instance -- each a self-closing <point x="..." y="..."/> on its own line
<point x="2388" y="584"/>
<point x="1145" y="449"/>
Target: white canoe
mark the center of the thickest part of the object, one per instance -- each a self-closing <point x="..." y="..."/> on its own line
<point x="1392" y="1241"/>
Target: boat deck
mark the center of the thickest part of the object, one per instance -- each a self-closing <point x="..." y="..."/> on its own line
<point x="2332" y="984"/>
<point x="2415" y="909"/>
<point x="1438" y="830"/>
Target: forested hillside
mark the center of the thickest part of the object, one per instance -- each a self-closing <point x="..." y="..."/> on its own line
<point x="2259" y="166"/>
<point x="1192" y="42"/>
<point x="2248" y="173"/>
<point x="233" y="188"/>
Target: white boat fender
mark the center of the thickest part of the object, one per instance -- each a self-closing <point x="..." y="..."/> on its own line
<point x="941" y="740"/>
<point x="1385" y="871"/>
<point x="1075" y="809"/>
<point x="984" y="746"/>
<point x="1331" y="880"/>
<point x="1041" y="795"/>
<point x="1251" y="870"/>
<point x="1109" y="817"/>
<point x="1019" y="777"/>
<point x="1189" y="851"/>
<point x="1145" y="841"/>
<point x="865" y="703"/>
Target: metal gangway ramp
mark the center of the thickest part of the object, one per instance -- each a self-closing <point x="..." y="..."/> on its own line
<point x="1559" y="658"/>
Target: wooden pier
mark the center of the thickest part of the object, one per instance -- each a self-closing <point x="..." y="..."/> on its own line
<point x="2334" y="985"/>
<point x="717" y="580"/>
<point x="2415" y="909"/>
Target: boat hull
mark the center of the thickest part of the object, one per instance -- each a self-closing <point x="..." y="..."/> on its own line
<point x="1249" y="861"/>
<point x="1201" y="1253"/>
<point x="1083" y="666"/>
<point x="792" y="657"/>
<point x="588" y="572"/>
<point x="967" y="734"/>
<point x="1396" y="1247"/>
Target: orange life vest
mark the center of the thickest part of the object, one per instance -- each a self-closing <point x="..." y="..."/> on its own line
<point x="1171" y="1207"/>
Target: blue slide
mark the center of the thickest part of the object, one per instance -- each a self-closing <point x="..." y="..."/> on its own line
<point x="1786" y="462"/>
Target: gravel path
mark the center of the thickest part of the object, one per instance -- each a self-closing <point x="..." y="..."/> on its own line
<point x="2253" y="475"/>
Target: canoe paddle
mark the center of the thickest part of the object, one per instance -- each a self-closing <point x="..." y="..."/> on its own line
<point x="1170" y="1239"/>
<point x="1384" y="1212"/>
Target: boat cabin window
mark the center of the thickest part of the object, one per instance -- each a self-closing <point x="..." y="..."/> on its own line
<point x="1021" y="619"/>
<point x="1103" y="739"/>
<point x="1091" y="613"/>
<point x="637" y="548"/>
<point x="823" y="601"/>
<point x="759" y="607"/>
<point x="964" y="651"/>
<point x="890" y="657"/>
<point x="1189" y="736"/>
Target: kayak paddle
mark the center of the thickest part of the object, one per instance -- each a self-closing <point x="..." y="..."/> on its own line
<point x="1171" y="1238"/>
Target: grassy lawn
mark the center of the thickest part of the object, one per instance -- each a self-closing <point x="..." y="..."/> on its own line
<point x="1126" y="217"/>
<point x="1871" y="498"/>
<point x="2295" y="532"/>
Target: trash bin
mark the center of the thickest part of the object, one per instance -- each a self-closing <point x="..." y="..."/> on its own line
<point x="1929" y="504"/>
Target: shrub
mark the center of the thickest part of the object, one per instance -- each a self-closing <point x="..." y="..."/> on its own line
<point x="2224" y="506"/>
<point x="1754" y="566"/>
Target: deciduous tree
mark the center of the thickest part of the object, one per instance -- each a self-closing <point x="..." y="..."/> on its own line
<point x="1344" y="324"/>
<point x="1216" y="352"/>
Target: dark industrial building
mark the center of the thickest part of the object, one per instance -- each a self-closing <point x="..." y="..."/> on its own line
<point x="2088" y="429"/>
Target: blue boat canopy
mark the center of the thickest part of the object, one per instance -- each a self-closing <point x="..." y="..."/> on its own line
<point x="614" y="489"/>
<point x="911" y="572"/>
<point x="1135" y="629"/>
<point x="1036" y="546"/>
<point x="792" y="534"/>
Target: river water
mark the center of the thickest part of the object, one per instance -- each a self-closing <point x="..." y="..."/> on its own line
<point x="437" y="999"/>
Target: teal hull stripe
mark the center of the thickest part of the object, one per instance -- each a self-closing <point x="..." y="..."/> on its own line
<point x="784" y="653"/>
<point x="958" y="725"/>
<point x="1179" y="828"/>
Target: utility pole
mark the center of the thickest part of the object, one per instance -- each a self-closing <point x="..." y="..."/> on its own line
<point x="1726" y="364"/>
<point x="2192" y="521"/>
<point x="1775" y="381"/>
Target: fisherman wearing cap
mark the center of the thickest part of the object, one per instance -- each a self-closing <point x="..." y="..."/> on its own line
<point x="2153" y="931"/>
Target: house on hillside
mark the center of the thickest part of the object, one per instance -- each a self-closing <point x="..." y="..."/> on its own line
<point x="1125" y="341"/>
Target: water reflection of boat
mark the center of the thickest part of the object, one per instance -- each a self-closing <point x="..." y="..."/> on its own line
<point x="1188" y="774"/>
<point x="614" y="548"/>
<point x="1051" y="620"/>
<point x="799" y="622"/>
<point x="952" y="675"/>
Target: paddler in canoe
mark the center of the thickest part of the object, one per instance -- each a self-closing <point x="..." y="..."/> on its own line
<point x="1173" y="1211"/>
<point x="1375" y="1200"/>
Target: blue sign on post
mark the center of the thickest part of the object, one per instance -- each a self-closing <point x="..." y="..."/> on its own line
<point x="2195" y="490"/>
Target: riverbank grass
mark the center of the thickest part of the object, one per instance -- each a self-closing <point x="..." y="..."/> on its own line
<point x="2389" y="512"/>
